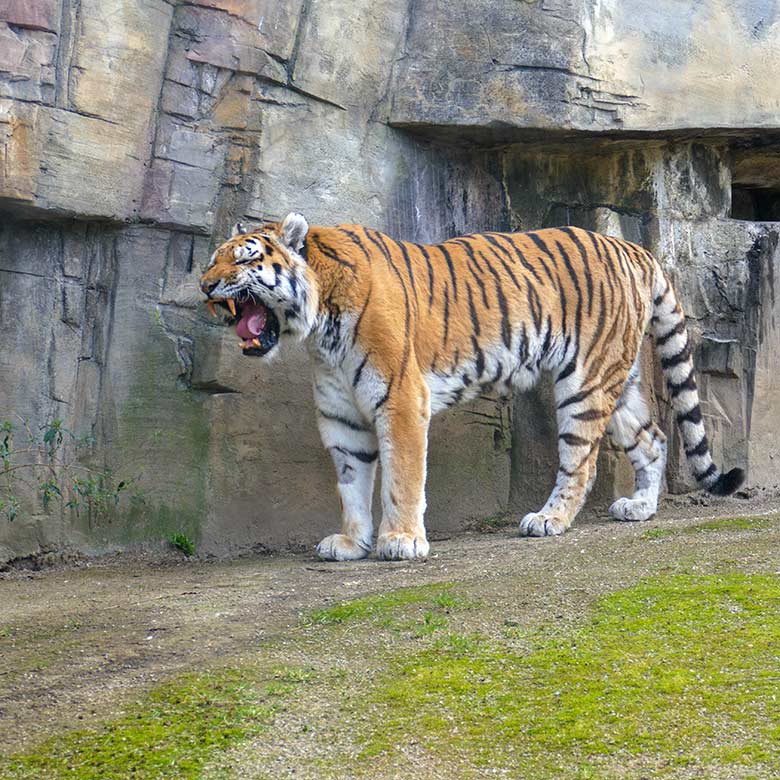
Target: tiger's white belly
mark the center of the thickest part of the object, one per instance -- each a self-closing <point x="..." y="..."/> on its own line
<point x="502" y="371"/>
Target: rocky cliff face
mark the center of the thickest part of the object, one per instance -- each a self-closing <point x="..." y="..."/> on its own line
<point x="583" y="65"/>
<point x="132" y="134"/>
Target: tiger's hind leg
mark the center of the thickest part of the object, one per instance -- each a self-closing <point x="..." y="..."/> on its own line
<point x="582" y="420"/>
<point x="645" y="445"/>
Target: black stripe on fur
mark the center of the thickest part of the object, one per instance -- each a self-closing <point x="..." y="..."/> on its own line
<point x="727" y="483"/>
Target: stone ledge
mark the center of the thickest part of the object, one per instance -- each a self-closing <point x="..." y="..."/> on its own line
<point x="31" y="14"/>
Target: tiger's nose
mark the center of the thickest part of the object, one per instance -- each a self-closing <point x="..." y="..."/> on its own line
<point x="209" y="287"/>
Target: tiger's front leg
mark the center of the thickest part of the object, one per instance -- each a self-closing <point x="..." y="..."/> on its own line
<point x="353" y="446"/>
<point x="402" y="427"/>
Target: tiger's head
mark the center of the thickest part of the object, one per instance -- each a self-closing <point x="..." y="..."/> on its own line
<point x="262" y="279"/>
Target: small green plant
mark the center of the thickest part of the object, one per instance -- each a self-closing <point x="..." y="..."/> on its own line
<point x="184" y="543"/>
<point x="48" y="465"/>
<point x="294" y="674"/>
<point x="459" y="645"/>
<point x="431" y="623"/>
<point x="658" y="533"/>
<point x="449" y="601"/>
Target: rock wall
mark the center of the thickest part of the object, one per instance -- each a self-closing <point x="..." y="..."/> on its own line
<point x="133" y="133"/>
<point x="601" y="66"/>
<point x="673" y="197"/>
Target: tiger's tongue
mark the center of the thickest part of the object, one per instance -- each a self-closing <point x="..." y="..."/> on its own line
<point x="252" y="320"/>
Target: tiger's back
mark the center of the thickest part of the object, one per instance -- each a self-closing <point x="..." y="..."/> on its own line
<point x="512" y="305"/>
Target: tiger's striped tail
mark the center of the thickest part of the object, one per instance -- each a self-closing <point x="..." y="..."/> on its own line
<point x="674" y="349"/>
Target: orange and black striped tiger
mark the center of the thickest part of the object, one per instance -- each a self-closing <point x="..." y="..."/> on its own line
<point x="399" y="331"/>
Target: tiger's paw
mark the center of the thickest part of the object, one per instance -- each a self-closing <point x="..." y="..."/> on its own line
<point x="632" y="509"/>
<point x="339" y="547"/>
<point x="397" y="546"/>
<point x="538" y="524"/>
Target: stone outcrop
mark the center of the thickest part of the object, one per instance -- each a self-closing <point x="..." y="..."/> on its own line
<point x="675" y="198"/>
<point x="132" y="134"/>
<point x="579" y="65"/>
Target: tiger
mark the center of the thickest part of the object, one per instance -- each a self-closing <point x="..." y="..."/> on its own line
<point x="398" y="331"/>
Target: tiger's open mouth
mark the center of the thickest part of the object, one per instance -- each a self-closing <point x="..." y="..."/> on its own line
<point x="256" y="325"/>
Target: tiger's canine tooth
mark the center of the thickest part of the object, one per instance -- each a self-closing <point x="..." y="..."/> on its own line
<point x="212" y="308"/>
<point x="232" y="306"/>
<point x="256" y="342"/>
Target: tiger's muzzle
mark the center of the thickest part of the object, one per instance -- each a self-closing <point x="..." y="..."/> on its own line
<point x="256" y="324"/>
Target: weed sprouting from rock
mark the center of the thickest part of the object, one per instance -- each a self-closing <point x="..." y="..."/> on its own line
<point x="47" y="467"/>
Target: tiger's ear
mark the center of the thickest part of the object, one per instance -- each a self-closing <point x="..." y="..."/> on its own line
<point x="294" y="230"/>
<point x="238" y="230"/>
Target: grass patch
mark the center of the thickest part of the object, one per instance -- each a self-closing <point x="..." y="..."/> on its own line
<point x="720" y="524"/>
<point x="675" y="671"/>
<point x="183" y="543"/>
<point x="171" y="733"/>
<point x="659" y="533"/>
<point x="431" y="623"/>
<point x="384" y="605"/>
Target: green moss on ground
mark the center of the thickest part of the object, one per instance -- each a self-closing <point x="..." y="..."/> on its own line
<point x="171" y="733"/>
<point x="675" y="671"/>
<point x="382" y="606"/>
<point x="760" y="523"/>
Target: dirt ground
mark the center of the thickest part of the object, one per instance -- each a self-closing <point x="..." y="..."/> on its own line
<point x="79" y="641"/>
